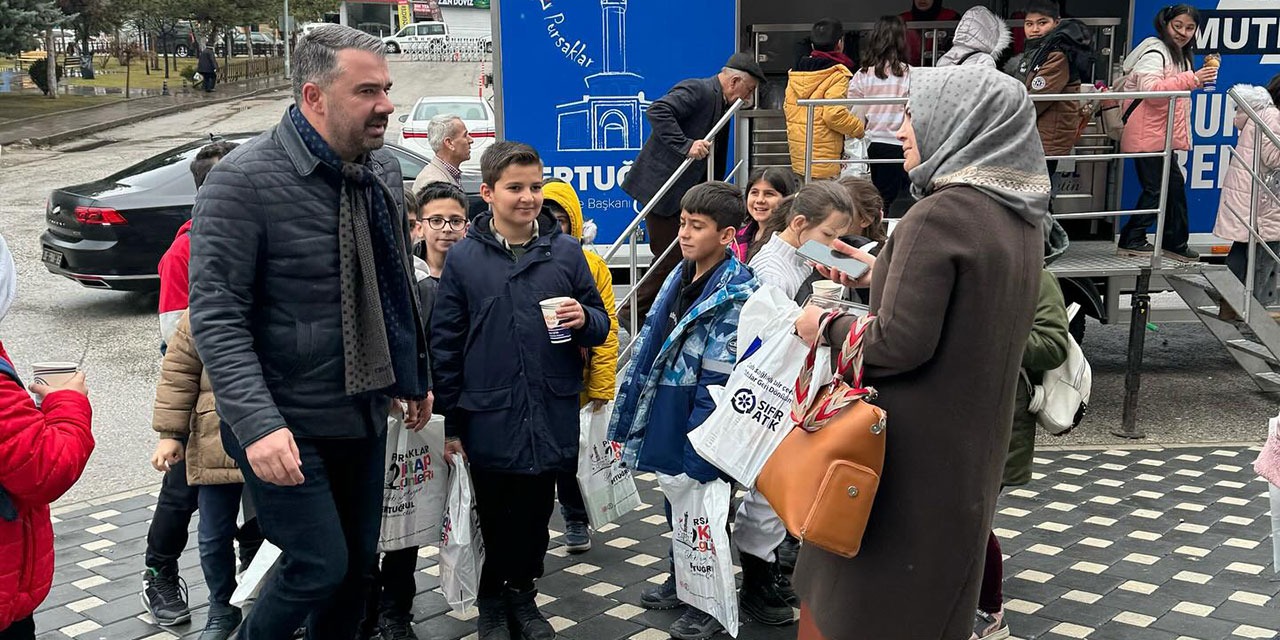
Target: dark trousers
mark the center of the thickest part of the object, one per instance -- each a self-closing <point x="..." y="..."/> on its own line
<point x="327" y="528"/>
<point x="572" y="507"/>
<point x="1134" y="233"/>
<point x="209" y="80"/>
<point x="219" y="505"/>
<point x="167" y="535"/>
<point x="1264" y="269"/>
<point x="514" y="512"/>
<point x="24" y="629"/>
<point x="394" y="587"/>
<point x="991" y="594"/>
<point x="890" y="179"/>
<point x="662" y="234"/>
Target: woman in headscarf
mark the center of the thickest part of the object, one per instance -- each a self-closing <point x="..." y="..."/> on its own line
<point x="42" y="452"/>
<point x="980" y="38"/>
<point x="953" y="294"/>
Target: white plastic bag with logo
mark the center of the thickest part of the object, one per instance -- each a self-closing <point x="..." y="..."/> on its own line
<point x="754" y="413"/>
<point x="461" y="545"/>
<point x="415" y="487"/>
<point x="608" y="490"/>
<point x="251" y="581"/>
<point x="700" y="546"/>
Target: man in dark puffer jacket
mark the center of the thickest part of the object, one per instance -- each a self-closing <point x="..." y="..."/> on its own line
<point x="304" y="313"/>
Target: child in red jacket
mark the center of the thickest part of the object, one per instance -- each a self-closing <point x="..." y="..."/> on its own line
<point x="42" y="453"/>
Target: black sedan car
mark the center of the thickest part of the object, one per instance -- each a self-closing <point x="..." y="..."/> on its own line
<point x="111" y="233"/>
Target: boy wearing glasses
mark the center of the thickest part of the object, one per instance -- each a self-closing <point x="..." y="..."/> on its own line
<point x="437" y="221"/>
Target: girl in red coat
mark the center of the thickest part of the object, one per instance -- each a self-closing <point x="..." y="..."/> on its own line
<point x="42" y="452"/>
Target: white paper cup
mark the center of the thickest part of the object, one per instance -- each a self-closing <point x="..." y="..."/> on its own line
<point x="53" y="374"/>
<point x="559" y="333"/>
<point x="828" y="289"/>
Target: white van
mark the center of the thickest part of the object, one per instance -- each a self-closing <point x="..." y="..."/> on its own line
<point x="418" y="32"/>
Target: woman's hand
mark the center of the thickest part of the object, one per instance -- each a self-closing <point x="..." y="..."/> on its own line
<point x="1206" y="75"/>
<point x="840" y="277"/>
<point x="807" y="323"/>
<point x="168" y="453"/>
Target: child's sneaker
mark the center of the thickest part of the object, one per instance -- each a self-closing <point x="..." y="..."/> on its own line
<point x="577" y="537"/>
<point x="990" y="626"/>
<point x="695" y="625"/>
<point x="661" y="597"/>
<point x="164" y="595"/>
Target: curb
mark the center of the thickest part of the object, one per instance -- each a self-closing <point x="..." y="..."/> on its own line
<point x="138" y="117"/>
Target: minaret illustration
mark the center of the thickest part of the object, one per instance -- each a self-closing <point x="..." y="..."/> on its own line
<point x="610" y="116"/>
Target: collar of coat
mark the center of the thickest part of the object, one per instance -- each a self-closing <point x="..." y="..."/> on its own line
<point x="732" y="282"/>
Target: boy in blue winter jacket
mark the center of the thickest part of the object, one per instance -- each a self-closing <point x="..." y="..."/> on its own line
<point x="688" y="343"/>
<point x="509" y="395"/>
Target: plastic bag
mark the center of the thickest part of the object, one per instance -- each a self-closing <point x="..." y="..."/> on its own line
<point x="700" y="546"/>
<point x="461" y="545"/>
<point x="753" y="415"/>
<point x="1267" y="465"/>
<point x="416" y="485"/>
<point x="855" y="149"/>
<point x="1275" y="527"/>
<point x="250" y="582"/>
<point x="766" y="312"/>
<point x="608" y="490"/>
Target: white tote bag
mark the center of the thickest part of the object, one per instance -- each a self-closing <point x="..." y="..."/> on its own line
<point x="700" y="546"/>
<point x="415" y="486"/>
<point x="753" y="415"/>
<point x="608" y="490"/>
<point x="250" y="582"/>
<point x="461" y="545"/>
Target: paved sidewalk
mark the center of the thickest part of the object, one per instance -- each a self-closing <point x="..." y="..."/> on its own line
<point x="1163" y="544"/>
<point x="65" y="125"/>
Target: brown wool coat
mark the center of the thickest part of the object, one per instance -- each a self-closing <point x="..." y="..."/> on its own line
<point x="954" y="292"/>
<point x="184" y="409"/>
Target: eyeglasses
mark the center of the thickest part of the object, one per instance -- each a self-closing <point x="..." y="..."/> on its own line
<point x="455" y="224"/>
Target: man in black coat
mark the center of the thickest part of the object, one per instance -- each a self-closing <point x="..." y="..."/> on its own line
<point x="679" y="121"/>
<point x="207" y="67"/>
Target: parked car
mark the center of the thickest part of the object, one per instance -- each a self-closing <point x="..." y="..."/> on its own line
<point x="111" y="233"/>
<point x="417" y="33"/>
<point x="264" y="44"/>
<point x="181" y="42"/>
<point x="475" y="112"/>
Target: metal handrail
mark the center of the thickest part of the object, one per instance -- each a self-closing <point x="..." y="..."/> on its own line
<point x="1260" y="129"/>
<point x="812" y="104"/>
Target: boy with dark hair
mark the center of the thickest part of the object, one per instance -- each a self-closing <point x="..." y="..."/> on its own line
<point x="1056" y="59"/>
<point x="509" y="394"/>
<point x="665" y="393"/>
<point x="824" y="73"/>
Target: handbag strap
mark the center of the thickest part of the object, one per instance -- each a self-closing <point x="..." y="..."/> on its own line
<point x="803" y="412"/>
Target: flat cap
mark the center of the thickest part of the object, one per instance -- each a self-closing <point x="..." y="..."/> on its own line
<point x="745" y="61"/>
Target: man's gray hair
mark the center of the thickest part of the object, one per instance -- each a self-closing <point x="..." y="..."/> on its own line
<point x="316" y="58"/>
<point x="441" y="127"/>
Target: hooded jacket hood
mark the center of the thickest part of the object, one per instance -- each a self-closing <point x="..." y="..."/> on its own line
<point x="1258" y="98"/>
<point x="1143" y="48"/>
<point x="563" y="194"/>
<point x="8" y="279"/>
<point x="979" y="31"/>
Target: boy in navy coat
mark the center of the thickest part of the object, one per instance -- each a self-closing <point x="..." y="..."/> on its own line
<point x="508" y="393"/>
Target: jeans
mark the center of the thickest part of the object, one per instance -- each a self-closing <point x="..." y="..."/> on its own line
<point x="890" y="179"/>
<point x="1134" y="233"/>
<point x="514" y="512"/>
<point x="1264" y="269"/>
<point x="219" y="505"/>
<point x="394" y="587"/>
<point x="167" y="536"/>
<point x="572" y="506"/>
<point x="327" y="528"/>
<point x="24" y="629"/>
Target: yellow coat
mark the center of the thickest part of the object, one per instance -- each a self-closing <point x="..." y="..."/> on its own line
<point x="830" y="124"/>
<point x="599" y="379"/>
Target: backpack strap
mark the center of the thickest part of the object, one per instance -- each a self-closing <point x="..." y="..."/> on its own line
<point x="8" y="512"/>
<point x="6" y="369"/>
<point x="1133" y="106"/>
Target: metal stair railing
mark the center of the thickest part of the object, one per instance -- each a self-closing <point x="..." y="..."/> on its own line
<point x="1260" y="129"/>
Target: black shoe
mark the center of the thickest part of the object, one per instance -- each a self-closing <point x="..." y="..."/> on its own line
<point x="491" y="624"/>
<point x="1139" y="250"/>
<point x="661" y="597"/>
<point x="577" y="537"/>
<point x="1184" y="254"/>
<point x="396" y="628"/>
<point x="785" y="589"/>
<point x="221" y="624"/>
<point x="787" y="552"/>
<point x="759" y="596"/>
<point x="164" y="594"/>
<point x="533" y="625"/>
<point x="695" y="625"/>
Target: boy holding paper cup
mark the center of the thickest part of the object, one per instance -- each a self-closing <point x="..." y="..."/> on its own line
<point x="507" y="380"/>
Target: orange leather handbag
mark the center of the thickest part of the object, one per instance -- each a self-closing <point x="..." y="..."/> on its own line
<point x="822" y="479"/>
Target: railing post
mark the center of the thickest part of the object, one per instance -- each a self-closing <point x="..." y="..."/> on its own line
<point x="1253" y="223"/>
<point x="711" y="161"/>
<point x="1164" y="185"/>
<point x="633" y="272"/>
<point x="808" y="144"/>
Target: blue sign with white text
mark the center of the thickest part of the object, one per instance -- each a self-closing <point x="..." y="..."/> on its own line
<point x="578" y="76"/>
<point x="1247" y="35"/>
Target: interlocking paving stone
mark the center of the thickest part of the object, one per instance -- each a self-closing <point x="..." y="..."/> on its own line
<point x="1100" y="531"/>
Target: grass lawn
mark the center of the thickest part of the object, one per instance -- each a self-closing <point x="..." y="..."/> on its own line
<point x="113" y="74"/>
<point x="15" y="105"/>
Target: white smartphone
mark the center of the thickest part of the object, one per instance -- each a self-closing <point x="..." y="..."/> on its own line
<point x="828" y="257"/>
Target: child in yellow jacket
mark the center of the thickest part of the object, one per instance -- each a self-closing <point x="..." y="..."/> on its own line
<point x="602" y="361"/>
